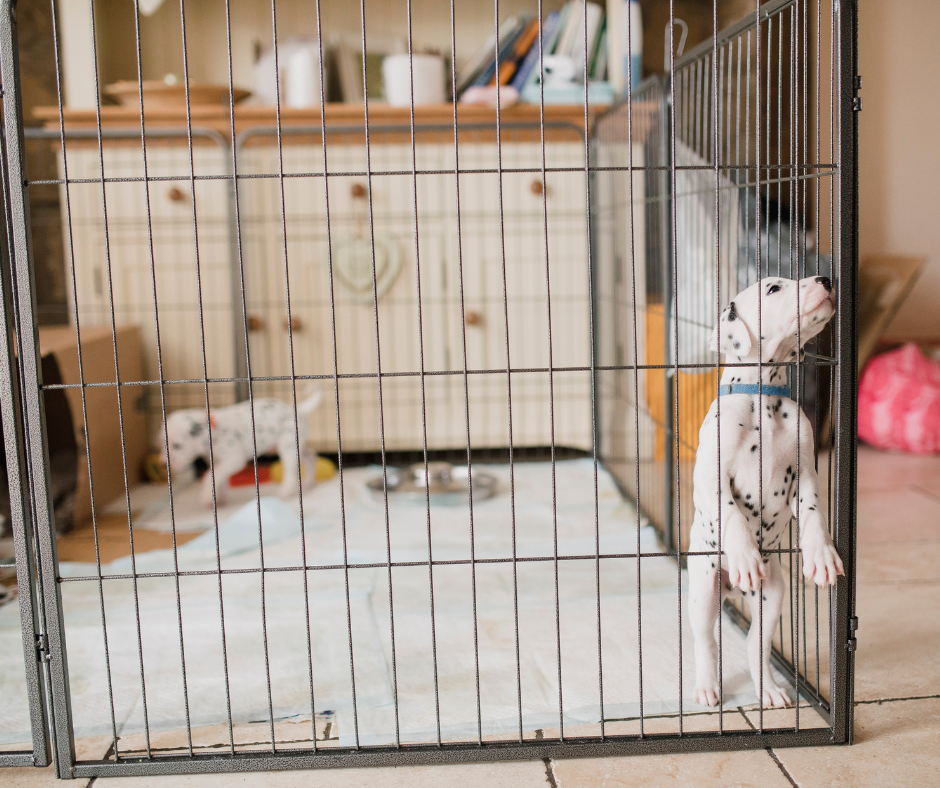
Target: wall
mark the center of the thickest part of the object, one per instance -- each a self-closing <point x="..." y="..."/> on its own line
<point x="899" y="148"/>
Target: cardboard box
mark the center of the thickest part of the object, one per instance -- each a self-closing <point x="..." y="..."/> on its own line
<point x="102" y="433"/>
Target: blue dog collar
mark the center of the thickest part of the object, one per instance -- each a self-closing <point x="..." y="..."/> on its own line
<point x="754" y="388"/>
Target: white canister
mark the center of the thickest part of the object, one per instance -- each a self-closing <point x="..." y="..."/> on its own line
<point x="298" y="64"/>
<point x="428" y="79"/>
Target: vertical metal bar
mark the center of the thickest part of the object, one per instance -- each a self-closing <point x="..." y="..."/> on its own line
<point x="760" y="421"/>
<point x="293" y="372"/>
<point x="117" y="373"/>
<point x="716" y="92"/>
<point x="202" y="342"/>
<point x="835" y="264"/>
<point x="512" y="467"/>
<point x="843" y="608"/>
<point x="81" y="378"/>
<point x="593" y="341"/>
<point x="339" y="432"/>
<point x="794" y="199"/>
<point x="34" y="419"/>
<point x="779" y="172"/>
<point x="636" y="376"/>
<point x="21" y="514"/>
<point x="378" y="361"/>
<point x="747" y="156"/>
<point x="670" y="114"/>
<point x="424" y="405"/>
<point x="466" y="380"/>
<point x="674" y="409"/>
<point x="551" y="371"/>
<point x="817" y="79"/>
<point x="251" y="406"/>
<point x="159" y="349"/>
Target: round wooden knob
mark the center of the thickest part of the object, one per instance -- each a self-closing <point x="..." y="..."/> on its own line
<point x="176" y="194"/>
<point x="358" y="191"/>
<point x="473" y="318"/>
<point x="255" y="323"/>
<point x="294" y="324"/>
<point x="535" y="187"/>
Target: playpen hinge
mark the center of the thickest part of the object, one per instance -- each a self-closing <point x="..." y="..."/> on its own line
<point x="857" y="103"/>
<point x="852" y="643"/>
<point x="42" y="649"/>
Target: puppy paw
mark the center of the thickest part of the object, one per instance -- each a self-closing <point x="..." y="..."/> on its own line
<point x="206" y="496"/>
<point x="776" y="698"/>
<point x="288" y="489"/>
<point x="745" y="567"/>
<point x="706" y="693"/>
<point x="821" y="562"/>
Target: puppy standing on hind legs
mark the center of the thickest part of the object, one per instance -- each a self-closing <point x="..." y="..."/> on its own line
<point x="766" y="477"/>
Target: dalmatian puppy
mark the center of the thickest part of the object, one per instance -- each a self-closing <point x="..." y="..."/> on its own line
<point x="727" y="500"/>
<point x="187" y="437"/>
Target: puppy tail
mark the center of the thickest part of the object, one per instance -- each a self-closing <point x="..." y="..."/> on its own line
<point x="311" y="402"/>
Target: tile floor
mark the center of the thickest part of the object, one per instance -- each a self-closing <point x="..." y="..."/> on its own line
<point x="897" y="683"/>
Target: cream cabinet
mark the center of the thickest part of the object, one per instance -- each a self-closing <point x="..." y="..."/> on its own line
<point x="282" y="238"/>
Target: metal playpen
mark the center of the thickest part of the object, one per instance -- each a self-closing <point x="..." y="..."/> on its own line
<point x="507" y="314"/>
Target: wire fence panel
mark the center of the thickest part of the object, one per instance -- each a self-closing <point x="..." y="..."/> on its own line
<point x="389" y="420"/>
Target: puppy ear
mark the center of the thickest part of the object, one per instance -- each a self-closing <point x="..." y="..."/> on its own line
<point x="730" y="336"/>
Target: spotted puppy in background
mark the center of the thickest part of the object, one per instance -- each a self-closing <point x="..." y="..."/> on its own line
<point x="187" y="436"/>
<point x="766" y="477"/>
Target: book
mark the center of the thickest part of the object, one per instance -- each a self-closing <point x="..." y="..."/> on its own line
<point x="593" y="15"/>
<point x="615" y="24"/>
<point x="483" y="57"/>
<point x="521" y="47"/>
<point x="564" y="15"/>
<point x="573" y="29"/>
<point x="348" y="61"/>
<point x="506" y="43"/>
<point x="600" y="46"/>
<point x="600" y="62"/>
<point x="529" y="68"/>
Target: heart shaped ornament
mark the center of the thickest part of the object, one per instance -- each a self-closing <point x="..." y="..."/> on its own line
<point x="352" y="262"/>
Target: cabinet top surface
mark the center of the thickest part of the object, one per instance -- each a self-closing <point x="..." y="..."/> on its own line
<point x="218" y="117"/>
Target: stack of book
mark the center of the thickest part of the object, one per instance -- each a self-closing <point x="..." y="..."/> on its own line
<point x="563" y="33"/>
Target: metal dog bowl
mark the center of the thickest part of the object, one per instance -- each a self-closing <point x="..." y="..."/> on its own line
<point x="445" y="484"/>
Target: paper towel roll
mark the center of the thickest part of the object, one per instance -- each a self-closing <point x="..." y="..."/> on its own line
<point x="428" y="79"/>
<point x="303" y="78"/>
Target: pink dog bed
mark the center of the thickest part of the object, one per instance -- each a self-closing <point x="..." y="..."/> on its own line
<point x="899" y="402"/>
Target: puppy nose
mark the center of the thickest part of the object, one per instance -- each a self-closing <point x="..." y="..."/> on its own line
<point x="824" y="281"/>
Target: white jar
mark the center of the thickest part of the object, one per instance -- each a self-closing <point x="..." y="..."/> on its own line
<point x="428" y="79"/>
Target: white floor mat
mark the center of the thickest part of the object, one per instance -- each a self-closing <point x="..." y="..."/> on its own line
<point x="281" y="684"/>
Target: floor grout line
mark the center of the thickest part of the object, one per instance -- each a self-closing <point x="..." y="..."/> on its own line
<point x="550" y="772"/>
<point x="770" y="751"/>
<point x="933" y="497"/>
<point x="879" y="701"/>
<point x="782" y="768"/>
<point x="872" y="542"/>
